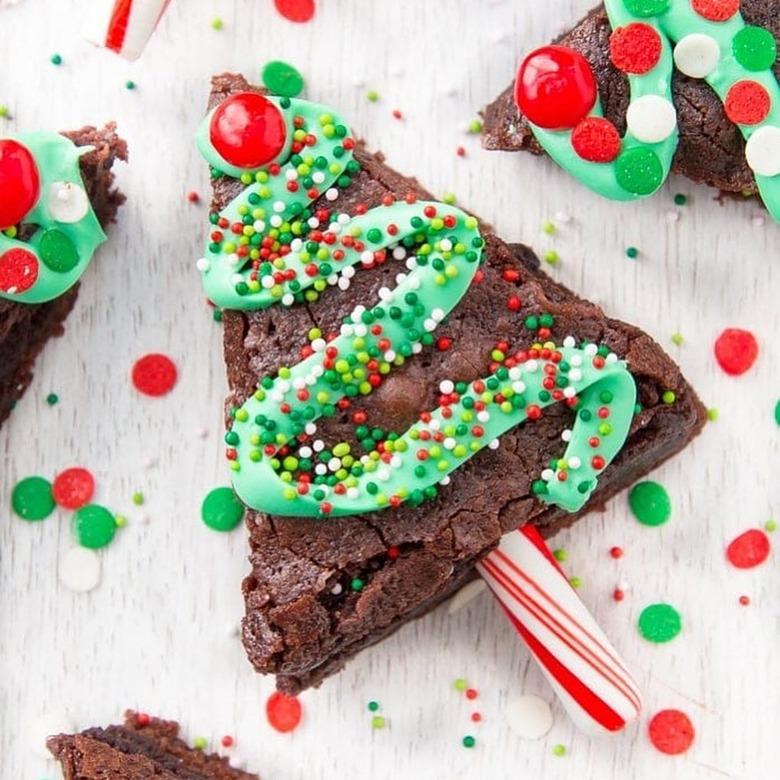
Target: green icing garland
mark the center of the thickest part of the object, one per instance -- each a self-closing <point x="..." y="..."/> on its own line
<point x="712" y="42"/>
<point x="53" y="259"/>
<point x="270" y="247"/>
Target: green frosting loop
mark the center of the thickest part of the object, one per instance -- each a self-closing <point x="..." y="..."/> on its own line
<point x="67" y="231"/>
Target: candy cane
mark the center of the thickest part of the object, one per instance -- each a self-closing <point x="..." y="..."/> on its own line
<point x="583" y="668"/>
<point x="125" y="26"/>
<point x="557" y="92"/>
<point x="268" y="247"/>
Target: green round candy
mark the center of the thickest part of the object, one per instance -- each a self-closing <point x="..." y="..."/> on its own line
<point x="221" y="509"/>
<point x="639" y="171"/>
<point x="755" y="48"/>
<point x="777" y="412"/>
<point x="94" y="526"/>
<point x="646" y="7"/>
<point x="57" y="251"/>
<point x="659" y="623"/>
<point x="32" y="498"/>
<point x="283" y="79"/>
<point x="650" y="503"/>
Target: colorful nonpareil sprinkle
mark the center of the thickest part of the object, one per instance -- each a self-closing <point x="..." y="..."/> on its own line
<point x="283" y="712"/>
<point x="32" y="498"/>
<point x="659" y="623"/>
<point x="468" y="741"/>
<point x="749" y="549"/>
<point x="79" y="569"/>
<point x="227" y="741"/>
<point x="650" y="503"/>
<point x="616" y="552"/>
<point x="52" y="399"/>
<point x="777" y="412"/>
<point x="217" y="23"/>
<point x="736" y="350"/>
<point x="94" y="526"/>
<point x="221" y="509"/>
<point x="154" y="374"/>
<point x="56" y="59"/>
<point x="73" y="488"/>
<point x="671" y="732"/>
<point x="378" y="722"/>
<point x="296" y="10"/>
<point x="281" y="78"/>
<point x="559" y="750"/>
<point x="200" y="743"/>
<point x="129" y="84"/>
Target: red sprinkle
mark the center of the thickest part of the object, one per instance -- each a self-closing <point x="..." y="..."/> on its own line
<point x="283" y="712"/>
<point x="227" y="741"/>
<point x="397" y="114"/>
<point x="154" y="374"/>
<point x="748" y="549"/>
<point x="142" y="719"/>
<point x="635" y="48"/>
<point x="716" y="10"/>
<point x="616" y="552"/>
<point x="193" y="197"/>
<point x="476" y="717"/>
<point x="296" y="10"/>
<point x="747" y="103"/>
<point x="73" y="488"/>
<point x="461" y="151"/>
<point x="671" y="732"/>
<point x="744" y="600"/>
<point x="596" y="139"/>
<point x="472" y="693"/>
<point x="736" y="350"/>
<point x="618" y="594"/>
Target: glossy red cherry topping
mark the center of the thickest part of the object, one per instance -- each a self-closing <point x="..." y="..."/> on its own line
<point x="555" y="87"/>
<point x="20" y="183"/>
<point x="248" y="130"/>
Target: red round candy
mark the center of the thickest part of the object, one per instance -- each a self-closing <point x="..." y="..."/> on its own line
<point x="596" y="139"/>
<point x="283" y="712"/>
<point x="18" y="270"/>
<point x="671" y="732"/>
<point x="736" y="350"/>
<point x="295" y="10"/>
<point x="248" y="130"/>
<point x="748" y="549"/>
<point x="635" y="48"/>
<point x="73" y="488"/>
<point x="747" y="103"/>
<point x="19" y="182"/>
<point x="716" y="10"/>
<point x="154" y="374"/>
<point x="555" y="87"/>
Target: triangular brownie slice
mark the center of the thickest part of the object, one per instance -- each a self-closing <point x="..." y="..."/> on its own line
<point x="321" y="589"/>
<point x="711" y="127"/>
<point x="26" y="326"/>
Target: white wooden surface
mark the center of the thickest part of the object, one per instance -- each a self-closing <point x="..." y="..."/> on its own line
<point x="158" y="632"/>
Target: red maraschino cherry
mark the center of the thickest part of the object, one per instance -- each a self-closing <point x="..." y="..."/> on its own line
<point x="20" y="183"/>
<point x="248" y="130"/>
<point x="555" y="87"/>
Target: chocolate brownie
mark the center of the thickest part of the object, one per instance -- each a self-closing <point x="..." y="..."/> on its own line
<point x="304" y="615"/>
<point x="141" y="748"/>
<point x="24" y="327"/>
<point x="711" y="148"/>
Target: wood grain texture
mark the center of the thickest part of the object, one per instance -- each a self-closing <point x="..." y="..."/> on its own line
<point x="158" y="632"/>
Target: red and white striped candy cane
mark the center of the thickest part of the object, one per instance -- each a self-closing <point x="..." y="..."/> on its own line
<point x="124" y="26"/>
<point x="583" y="668"/>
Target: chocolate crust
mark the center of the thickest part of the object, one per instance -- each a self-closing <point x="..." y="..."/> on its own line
<point x="711" y="148"/>
<point x="303" y="621"/>
<point x="25" y="328"/>
<point x="139" y="749"/>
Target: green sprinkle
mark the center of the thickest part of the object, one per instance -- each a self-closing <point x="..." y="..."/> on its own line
<point x="56" y="59"/>
<point x="121" y="521"/>
<point x="777" y="412"/>
<point x="650" y="503"/>
<point x="560" y="554"/>
<point x="199" y="743"/>
<point x="378" y="722"/>
<point x="221" y="509"/>
<point x="669" y="397"/>
<point x="575" y="582"/>
<point x="713" y="414"/>
<point x="460" y="684"/>
<point x="559" y="750"/>
<point x="94" y="526"/>
<point x="372" y="95"/>
<point x="475" y="127"/>
<point x="138" y="498"/>
<point x="129" y="84"/>
<point x="283" y="79"/>
<point x="52" y="398"/>
<point x="357" y="584"/>
<point x="448" y="198"/>
<point x="469" y="741"/>
<point x="677" y="339"/>
<point x="216" y="315"/>
<point x="217" y="23"/>
<point x="548" y="227"/>
<point x="659" y="623"/>
<point x="373" y="706"/>
<point x="32" y="498"/>
<point x="770" y="526"/>
<point x="4" y="112"/>
<point x="551" y="257"/>
<point x="680" y="199"/>
<point x="632" y="252"/>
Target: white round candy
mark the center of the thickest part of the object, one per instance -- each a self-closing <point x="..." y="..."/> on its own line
<point x="79" y="569"/>
<point x="529" y="716"/>
<point x="67" y="201"/>
<point x="696" y="55"/>
<point x="762" y="151"/>
<point x="651" y="119"/>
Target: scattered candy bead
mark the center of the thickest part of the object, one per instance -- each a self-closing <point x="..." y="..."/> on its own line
<point x="469" y="741"/>
<point x="530" y="717"/>
<point x="56" y="59"/>
<point x="227" y="741"/>
<point x="378" y="722"/>
<point x="616" y="552"/>
<point x="281" y="78"/>
<point x="736" y="350"/>
<point x="296" y="10"/>
<point x="749" y="549"/>
<point x="460" y="684"/>
<point x="154" y="374"/>
<point x="659" y="623"/>
<point x="671" y="732"/>
<point x="559" y="750"/>
<point x="283" y="712"/>
<point x="373" y="706"/>
<point x="221" y="509"/>
<point x="73" y="488"/>
<point x="94" y="526"/>
<point x="52" y="399"/>
<point x="744" y="601"/>
<point x="632" y="252"/>
<point x="217" y="23"/>
<point x="650" y="503"/>
<point x="79" y="569"/>
<point x="32" y="498"/>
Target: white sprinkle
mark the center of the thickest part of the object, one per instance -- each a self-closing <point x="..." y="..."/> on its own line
<point x="321" y="470"/>
<point x="531" y="366"/>
<point x="483" y="416"/>
<point x="493" y="445"/>
<point x="389" y="355"/>
<point x="416" y="348"/>
<point x="438" y="314"/>
<point x="288" y="299"/>
<point x="343" y="218"/>
<point x="305" y="452"/>
<point x="202" y="264"/>
<point x="591" y="349"/>
<point x="331" y="194"/>
<point x="445" y="480"/>
<point x="518" y="387"/>
<point x="446" y="245"/>
<point x="569" y="341"/>
<point x="318" y="177"/>
<point x="278" y="206"/>
<point x="344" y="283"/>
<point x="548" y="474"/>
<point x="336" y="589"/>
<point x="276" y="220"/>
<point x="233" y="258"/>
<point x="399" y="253"/>
<point x="449" y="443"/>
<point x="566" y="434"/>
<point x="446" y="386"/>
<point x="367" y="257"/>
<point x="318" y="445"/>
<point x="311" y="428"/>
<point x="569" y="392"/>
<point x="575" y="374"/>
<point x="334" y="464"/>
<point x="291" y="174"/>
<point x="574" y="462"/>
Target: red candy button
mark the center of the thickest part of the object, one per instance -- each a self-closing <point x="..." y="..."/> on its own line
<point x="596" y="139"/>
<point x="73" y="488"/>
<point x="635" y="48"/>
<point x="555" y="87"/>
<point x="295" y="10"/>
<point x="19" y="182"/>
<point x="748" y="549"/>
<point x="18" y="270"/>
<point x="736" y="350"/>
<point x="716" y="10"/>
<point x="248" y="130"/>
<point x="671" y="732"/>
<point x="154" y="374"/>
<point x="747" y="103"/>
<point x="283" y="712"/>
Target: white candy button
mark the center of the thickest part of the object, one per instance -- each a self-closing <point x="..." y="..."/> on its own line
<point x="763" y="151"/>
<point x="651" y="119"/>
<point x="67" y="201"/>
<point x="80" y="569"/>
<point x="529" y="716"/>
<point x="696" y="55"/>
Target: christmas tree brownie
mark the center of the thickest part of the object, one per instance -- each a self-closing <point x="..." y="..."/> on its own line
<point x="57" y="194"/>
<point x="641" y="87"/>
<point x="405" y="387"/>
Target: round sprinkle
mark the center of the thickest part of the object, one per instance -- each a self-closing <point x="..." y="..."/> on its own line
<point x="697" y="55"/>
<point x="227" y="741"/>
<point x="200" y="743"/>
<point x="669" y="397"/>
<point x="129" y="84"/>
<point x="639" y="171"/>
<point x="559" y="751"/>
<point x="777" y="412"/>
<point x="748" y="549"/>
<point x="713" y="415"/>
<point x="138" y="498"/>
<point x="283" y="79"/>
<point x="659" y="623"/>
<point x="5" y="113"/>
<point x="560" y="555"/>
<point x="650" y="503"/>
<point x="616" y="552"/>
<point x="530" y="717"/>
<point x="372" y="95"/>
<point x="469" y="741"/>
<point x="373" y="706"/>
<point x="94" y="526"/>
<point x="747" y="103"/>
<point x="296" y="10"/>
<point x="762" y="151"/>
<point x="460" y="684"/>
<point x="79" y="569"/>
<point x="744" y="601"/>
<point x="680" y="199"/>
<point x="52" y="399"/>
<point x="755" y="48"/>
<point x="221" y="509"/>
<point x="32" y="498"/>
<point x="677" y="339"/>
<point x="671" y="732"/>
<point x="56" y="59"/>
<point x="716" y="10"/>
<point x="632" y="252"/>
<point x="73" y="488"/>
<point x="154" y="374"/>
<point x="770" y="526"/>
<point x="378" y="722"/>
<point x="736" y="350"/>
<point x="217" y="23"/>
<point x="283" y="712"/>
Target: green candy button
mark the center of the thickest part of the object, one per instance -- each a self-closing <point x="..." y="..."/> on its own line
<point x="94" y="526"/>
<point x="57" y="251"/>
<point x="650" y="503"/>
<point x="659" y="623"/>
<point x="639" y="171"/>
<point x="32" y="498"/>
<point x="755" y="48"/>
<point x="283" y="79"/>
<point x="221" y="509"/>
